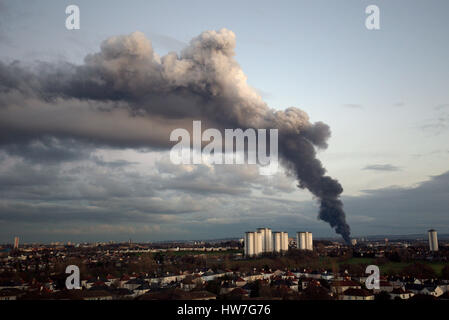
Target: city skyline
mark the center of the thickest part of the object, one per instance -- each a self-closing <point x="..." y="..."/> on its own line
<point x="335" y="238"/>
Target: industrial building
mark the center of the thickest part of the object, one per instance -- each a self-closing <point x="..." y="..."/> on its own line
<point x="253" y="243"/>
<point x="280" y="241"/>
<point x="277" y="241"/>
<point x="304" y="240"/>
<point x="267" y="239"/>
<point x="264" y="240"/>
<point x="249" y="244"/>
<point x="284" y="244"/>
<point x="433" y="240"/>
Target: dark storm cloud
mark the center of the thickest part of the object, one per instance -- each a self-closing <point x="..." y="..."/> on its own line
<point x="237" y="180"/>
<point x="381" y="167"/>
<point x="49" y="150"/>
<point x="44" y="212"/>
<point x="92" y="190"/>
<point x="112" y="164"/>
<point x="390" y="208"/>
<point x="22" y="177"/>
<point x="126" y="95"/>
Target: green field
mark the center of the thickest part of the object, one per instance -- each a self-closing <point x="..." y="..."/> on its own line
<point x="358" y="261"/>
<point x="392" y="267"/>
<point x="214" y="253"/>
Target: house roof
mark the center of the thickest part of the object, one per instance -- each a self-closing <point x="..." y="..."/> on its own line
<point x="400" y="291"/>
<point x="415" y="287"/>
<point x="247" y="287"/>
<point x="238" y="291"/>
<point x="187" y="280"/>
<point x="122" y="292"/>
<point x="345" y="283"/>
<point x="99" y="288"/>
<point x="136" y="281"/>
<point x="9" y="292"/>
<point x="385" y="284"/>
<point x="144" y="286"/>
<point x="94" y="293"/>
<point x="228" y="285"/>
<point x="177" y="295"/>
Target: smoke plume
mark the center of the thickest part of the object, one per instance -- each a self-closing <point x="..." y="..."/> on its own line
<point x="126" y="95"/>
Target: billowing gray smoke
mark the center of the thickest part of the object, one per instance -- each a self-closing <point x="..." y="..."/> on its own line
<point x="128" y="96"/>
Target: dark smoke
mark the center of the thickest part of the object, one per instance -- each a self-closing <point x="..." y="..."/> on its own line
<point x="300" y="156"/>
<point x="128" y="96"/>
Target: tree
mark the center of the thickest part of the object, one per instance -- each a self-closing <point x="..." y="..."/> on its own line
<point x="394" y="257"/>
<point x="445" y="272"/>
<point x="213" y="286"/>
<point x="419" y="270"/>
<point x="313" y="292"/>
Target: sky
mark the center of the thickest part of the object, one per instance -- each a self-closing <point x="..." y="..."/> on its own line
<point x="383" y="93"/>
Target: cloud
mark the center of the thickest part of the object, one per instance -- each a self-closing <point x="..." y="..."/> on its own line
<point x="382" y="167"/>
<point x="4" y="17"/>
<point x="94" y="190"/>
<point x="442" y="106"/>
<point x="439" y="123"/>
<point x="168" y="42"/>
<point x="402" y="210"/>
<point x="352" y="106"/>
<point x="122" y="201"/>
<point x="49" y="150"/>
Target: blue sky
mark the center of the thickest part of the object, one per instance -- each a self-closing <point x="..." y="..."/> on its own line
<point x="384" y="93"/>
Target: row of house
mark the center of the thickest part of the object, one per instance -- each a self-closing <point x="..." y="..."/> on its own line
<point x="343" y="287"/>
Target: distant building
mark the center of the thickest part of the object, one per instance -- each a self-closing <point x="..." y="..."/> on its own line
<point x="433" y="240"/>
<point x="284" y="245"/>
<point x="16" y="242"/>
<point x="356" y="294"/>
<point x="353" y="242"/>
<point x="258" y="243"/>
<point x="249" y="244"/>
<point x="309" y="241"/>
<point x="277" y="241"/>
<point x="304" y="240"/>
<point x="253" y="243"/>
<point x="280" y="241"/>
<point x="267" y="239"/>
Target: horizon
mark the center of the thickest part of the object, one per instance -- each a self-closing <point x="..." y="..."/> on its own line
<point x="441" y="236"/>
<point x="86" y="116"/>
